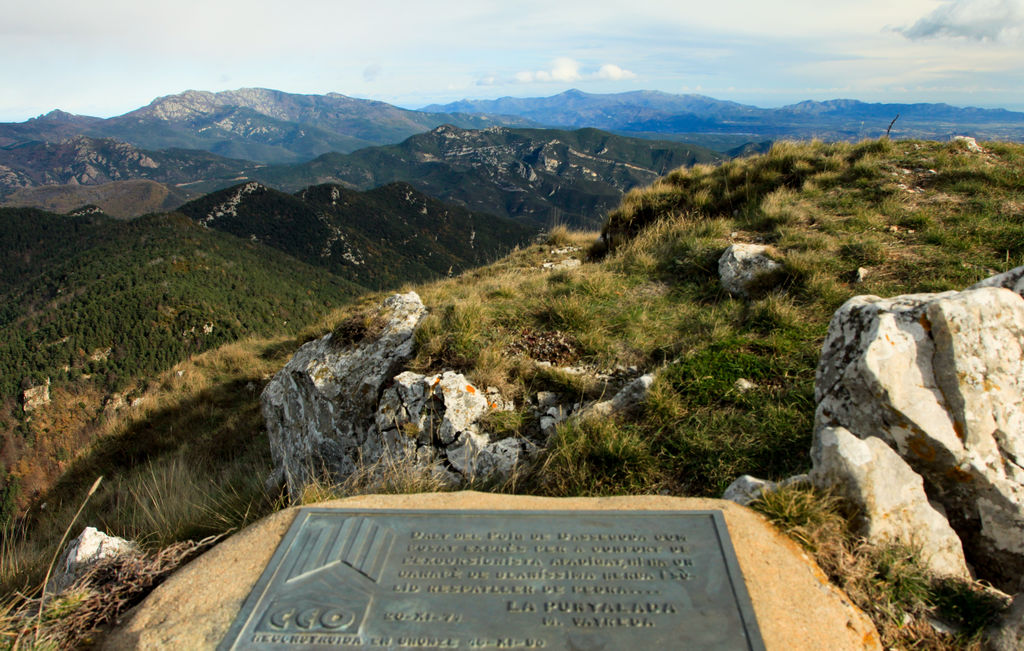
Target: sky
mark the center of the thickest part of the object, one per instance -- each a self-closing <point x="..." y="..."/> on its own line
<point x="107" y="57"/>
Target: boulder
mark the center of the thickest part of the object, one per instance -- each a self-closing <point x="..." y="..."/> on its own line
<point x="90" y="547"/>
<point x="939" y="378"/>
<point x="889" y="496"/>
<point x="438" y="417"/>
<point x="744" y="269"/>
<point x="320" y="409"/>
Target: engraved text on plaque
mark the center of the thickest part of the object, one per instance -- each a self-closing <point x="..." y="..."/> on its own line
<point x="372" y="579"/>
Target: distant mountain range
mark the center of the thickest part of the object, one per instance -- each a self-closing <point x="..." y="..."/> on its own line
<point x="696" y="117"/>
<point x="118" y="199"/>
<point x="251" y="123"/>
<point x="537" y="175"/>
<point x="474" y="153"/>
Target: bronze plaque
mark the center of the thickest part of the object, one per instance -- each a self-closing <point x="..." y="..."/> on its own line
<point x="580" y="580"/>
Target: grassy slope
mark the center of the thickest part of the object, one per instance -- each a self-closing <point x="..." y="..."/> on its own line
<point x="918" y="216"/>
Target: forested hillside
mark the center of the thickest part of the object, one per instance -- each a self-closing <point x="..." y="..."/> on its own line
<point x="381" y="238"/>
<point x="93" y="305"/>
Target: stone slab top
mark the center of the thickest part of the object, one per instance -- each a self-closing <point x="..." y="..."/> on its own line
<point x="795" y="605"/>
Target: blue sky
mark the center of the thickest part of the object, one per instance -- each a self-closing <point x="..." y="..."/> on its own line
<point x="107" y="57"/>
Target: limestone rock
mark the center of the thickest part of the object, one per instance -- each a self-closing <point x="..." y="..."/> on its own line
<point x="745" y="268"/>
<point x="939" y="377"/>
<point x="568" y="263"/>
<point x="320" y="408"/>
<point x="747" y="489"/>
<point x="628" y="398"/>
<point x="970" y="143"/>
<point x="35" y="397"/>
<point x="90" y="547"/>
<point x="744" y="385"/>
<point x="890" y="496"/>
<point x="439" y="416"/>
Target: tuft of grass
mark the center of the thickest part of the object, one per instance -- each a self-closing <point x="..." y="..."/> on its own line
<point x="386" y="476"/>
<point x="888" y="582"/>
<point x="559" y="236"/>
<point x="598" y="457"/>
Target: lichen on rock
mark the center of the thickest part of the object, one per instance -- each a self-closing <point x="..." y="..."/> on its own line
<point x="939" y="378"/>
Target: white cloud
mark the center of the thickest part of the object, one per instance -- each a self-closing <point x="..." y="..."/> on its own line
<point x="979" y="20"/>
<point x="613" y="72"/>
<point x="372" y="72"/>
<point x="564" y="69"/>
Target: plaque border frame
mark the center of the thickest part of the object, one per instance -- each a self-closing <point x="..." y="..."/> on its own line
<point x="275" y="564"/>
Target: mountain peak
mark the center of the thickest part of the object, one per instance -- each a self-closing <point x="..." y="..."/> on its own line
<point x="57" y="115"/>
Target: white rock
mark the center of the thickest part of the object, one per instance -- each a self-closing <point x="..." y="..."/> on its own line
<point x="443" y="413"/>
<point x="568" y="263"/>
<point x="746" y="489"/>
<point x="90" y="547"/>
<point x="968" y="142"/>
<point x="548" y="426"/>
<point x="320" y="408"/>
<point x="35" y="397"/>
<point x="546" y="399"/>
<point x="940" y="377"/>
<point x="628" y="398"/>
<point x="743" y="267"/>
<point x="744" y="385"/>
<point x="889" y="495"/>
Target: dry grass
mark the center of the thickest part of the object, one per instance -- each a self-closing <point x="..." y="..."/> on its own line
<point x="888" y="582"/>
<point x="77" y="617"/>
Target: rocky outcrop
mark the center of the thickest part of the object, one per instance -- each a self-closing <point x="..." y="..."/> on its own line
<point x="968" y="143"/>
<point x="340" y="405"/>
<point x="321" y="408"/>
<point x="939" y="378"/>
<point x="747" y="269"/>
<point x="35" y="397"/>
<point x="436" y="420"/>
<point x="889" y="496"/>
<point x="89" y="548"/>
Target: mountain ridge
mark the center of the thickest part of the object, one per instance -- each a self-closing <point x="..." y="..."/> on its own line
<point x="666" y="113"/>
<point x="257" y="124"/>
